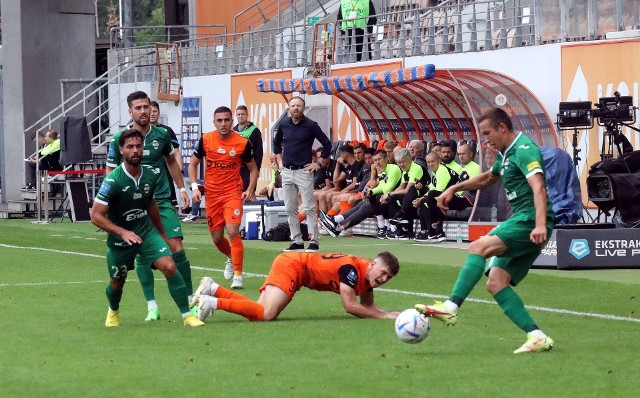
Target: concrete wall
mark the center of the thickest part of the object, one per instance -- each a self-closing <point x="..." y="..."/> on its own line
<point x="43" y="42"/>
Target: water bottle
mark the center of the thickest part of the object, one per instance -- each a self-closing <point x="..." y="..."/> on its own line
<point x="458" y="234"/>
<point x="494" y="213"/>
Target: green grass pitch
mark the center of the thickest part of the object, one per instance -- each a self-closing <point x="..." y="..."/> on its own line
<point x="54" y="344"/>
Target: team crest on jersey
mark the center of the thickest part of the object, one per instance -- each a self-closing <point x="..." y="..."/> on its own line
<point x="137" y="195"/>
<point x="232" y="152"/>
<point x="236" y="212"/>
<point x="155" y="144"/>
<point x="221" y="151"/>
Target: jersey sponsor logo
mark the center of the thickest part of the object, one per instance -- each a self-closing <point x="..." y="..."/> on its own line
<point x="579" y="248"/>
<point x="352" y="277"/>
<point x="236" y="212"/>
<point x="155" y="144"/>
<point x="232" y="152"/>
<point x="533" y="165"/>
<point x="104" y="189"/>
<point x="125" y="189"/>
<point x="110" y="179"/>
<point x="135" y="214"/>
<point x="137" y="195"/>
<point x="221" y="165"/>
<point x="221" y="151"/>
<point x="523" y="146"/>
<point x="146" y="152"/>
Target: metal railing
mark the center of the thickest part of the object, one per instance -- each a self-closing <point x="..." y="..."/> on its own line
<point x="280" y="13"/>
<point x="142" y="36"/>
<point x="451" y="27"/>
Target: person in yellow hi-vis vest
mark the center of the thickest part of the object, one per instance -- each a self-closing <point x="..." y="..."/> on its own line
<point x="353" y="17"/>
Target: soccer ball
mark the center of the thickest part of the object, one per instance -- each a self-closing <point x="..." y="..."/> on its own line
<point x="412" y="327"/>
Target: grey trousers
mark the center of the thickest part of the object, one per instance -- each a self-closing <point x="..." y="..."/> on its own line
<point x="294" y="182"/>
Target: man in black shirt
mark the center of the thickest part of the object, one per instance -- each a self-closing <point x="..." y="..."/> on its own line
<point x="292" y="145"/>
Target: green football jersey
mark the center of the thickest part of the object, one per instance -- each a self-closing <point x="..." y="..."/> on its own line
<point x="413" y="175"/>
<point x="157" y="144"/>
<point x="388" y="179"/>
<point x="128" y="201"/>
<point x="520" y="160"/>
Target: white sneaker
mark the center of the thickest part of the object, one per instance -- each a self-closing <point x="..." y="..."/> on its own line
<point x="205" y="307"/>
<point x="203" y="289"/>
<point x="228" y="269"/>
<point x="189" y="218"/>
<point x="237" y="282"/>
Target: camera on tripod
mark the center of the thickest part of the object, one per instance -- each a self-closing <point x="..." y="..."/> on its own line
<point x="609" y="111"/>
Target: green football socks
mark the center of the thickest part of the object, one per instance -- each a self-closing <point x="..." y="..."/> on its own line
<point x="513" y="308"/>
<point x="145" y="275"/>
<point x="183" y="266"/>
<point x="178" y="292"/>
<point x="469" y="276"/>
<point x="114" y="297"/>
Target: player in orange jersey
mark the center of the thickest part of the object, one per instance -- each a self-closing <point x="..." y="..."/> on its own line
<point x="347" y="275"/>
<point x="225" y="151"/>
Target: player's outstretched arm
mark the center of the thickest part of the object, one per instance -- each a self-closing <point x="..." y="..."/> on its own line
<point x="100" y="220"/>
<point x="353" y="307"/>
<point x="539" y="233"/>
<point x="193" y="167"/>
<point x="176" y="173"/>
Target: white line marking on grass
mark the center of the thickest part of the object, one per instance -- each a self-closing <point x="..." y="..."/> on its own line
<point x="43" y="249"/>
<point x="254" y="275"/>
<point x="532" y="307"/>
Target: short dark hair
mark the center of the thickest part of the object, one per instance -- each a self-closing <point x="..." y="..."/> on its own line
<point x="222" y="109"/>
<point x="242" y="108"/>
<point x="447" y="144"/>
<point x="130" y="133"/>
<point x="390" y="261"/>
<point x="380" y="152"/>
<point x="495" y="116"/>
<point x="304" y="103"/>
<point x="369" y="151"/>
<point x="360" y="145"/>
<point x="136" y="95"/>
<point x="346" y="148"/>
<point x="54" y="134"/>
<point x="154" y="104"/>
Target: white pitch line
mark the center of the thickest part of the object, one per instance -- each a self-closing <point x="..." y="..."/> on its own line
<point x="255" y="275"/>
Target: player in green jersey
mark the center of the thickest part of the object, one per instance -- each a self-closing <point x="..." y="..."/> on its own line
<point x="158" y="151"/>
<point x="513" y="245"/>
<point x="126" y="209"/>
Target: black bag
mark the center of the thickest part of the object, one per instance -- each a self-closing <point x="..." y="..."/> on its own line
<point x="282" y="233"/>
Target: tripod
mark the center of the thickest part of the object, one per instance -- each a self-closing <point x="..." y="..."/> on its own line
<point x="576" y="160"/>
<point x="611" y="140"/>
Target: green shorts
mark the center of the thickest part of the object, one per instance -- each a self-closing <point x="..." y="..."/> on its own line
<point x="521" y="252"/>
<point x="170" y="220"/>
<point x="121" y="260"/>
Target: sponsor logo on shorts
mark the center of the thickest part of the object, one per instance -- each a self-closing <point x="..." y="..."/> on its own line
<point x="579" y="248"/>
<point x="236" y="212"/>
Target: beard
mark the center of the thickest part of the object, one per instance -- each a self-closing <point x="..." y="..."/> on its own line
<point x="134" y="160"/>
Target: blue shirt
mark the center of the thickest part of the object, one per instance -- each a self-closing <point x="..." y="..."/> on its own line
<point x="295" y="141"/>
